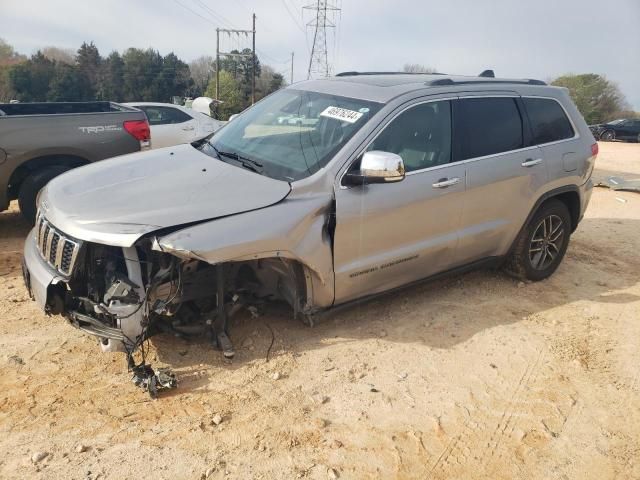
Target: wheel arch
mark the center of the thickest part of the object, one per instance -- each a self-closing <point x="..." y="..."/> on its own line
<point x="569" y="195"/>
<point x="25" y="169"/>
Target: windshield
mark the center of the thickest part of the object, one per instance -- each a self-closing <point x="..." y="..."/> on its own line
<point x="290" y="134"/>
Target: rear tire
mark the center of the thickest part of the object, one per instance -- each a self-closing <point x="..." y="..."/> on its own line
<point x="541" y="245"/>
<point x="31" y="187"/>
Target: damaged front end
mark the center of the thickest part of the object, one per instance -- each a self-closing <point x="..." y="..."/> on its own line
<point x="187" y="281"/>
<point x="123" y="295"/>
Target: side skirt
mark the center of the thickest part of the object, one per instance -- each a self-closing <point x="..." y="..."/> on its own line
<point x="489" y="262"/>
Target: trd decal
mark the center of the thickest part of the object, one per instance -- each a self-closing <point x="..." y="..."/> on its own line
<point x="100" y="129"/>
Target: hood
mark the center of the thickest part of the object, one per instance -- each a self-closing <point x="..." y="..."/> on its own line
<point x="116" y="201"/>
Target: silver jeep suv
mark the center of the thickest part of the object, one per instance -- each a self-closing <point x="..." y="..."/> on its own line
<point x="373" y="182"/>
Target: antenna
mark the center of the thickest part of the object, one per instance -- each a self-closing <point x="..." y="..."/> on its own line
<point x="319" y="62"/>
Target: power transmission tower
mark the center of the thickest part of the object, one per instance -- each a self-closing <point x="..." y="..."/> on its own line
<point x="319" y="61"/>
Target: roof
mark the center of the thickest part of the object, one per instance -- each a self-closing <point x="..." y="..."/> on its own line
<point x="383" y="86"/>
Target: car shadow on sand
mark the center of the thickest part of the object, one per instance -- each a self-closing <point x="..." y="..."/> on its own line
<point x="13" y="231"/>
<point x="599" y="266"/>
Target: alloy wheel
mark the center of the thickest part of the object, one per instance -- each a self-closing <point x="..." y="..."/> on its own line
<point x="546" y="242"/>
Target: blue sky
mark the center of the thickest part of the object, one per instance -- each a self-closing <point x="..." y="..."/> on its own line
<point x="532" y="39"/>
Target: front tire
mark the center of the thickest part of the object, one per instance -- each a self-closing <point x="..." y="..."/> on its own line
<point x="608" y="136"/>
<point x="31" y="187"/>
<point x="542" y="244"/>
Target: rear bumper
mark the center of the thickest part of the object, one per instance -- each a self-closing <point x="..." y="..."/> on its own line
<point x="585" y="197"/>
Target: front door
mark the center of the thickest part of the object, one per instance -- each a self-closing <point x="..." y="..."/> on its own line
<point x="388" y="235"/>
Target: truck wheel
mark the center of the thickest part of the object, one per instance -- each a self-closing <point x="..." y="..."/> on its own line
<point x="30" y="188"/>
<point x="542" y="243"/>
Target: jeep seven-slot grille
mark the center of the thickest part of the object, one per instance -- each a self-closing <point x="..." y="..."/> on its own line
<point x="57" y="249"/>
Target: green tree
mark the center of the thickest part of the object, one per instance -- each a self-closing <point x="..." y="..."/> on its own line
<point x="66" y="84"/>
<point x="239" y="64"/>
<point x="111" y="85"/>
<point x="230" y="95"/>
<point x="6" y="92"/>
<point x="30" y="80"/>
<point x="173" y="79"/>
<point x="150" y="77"/>
<point x="596" y="97"/>
<point x="88" y="60"/>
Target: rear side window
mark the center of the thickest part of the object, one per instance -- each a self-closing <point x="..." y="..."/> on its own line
<point x="165" y="115"/>
<point x="549" y="123"/>
<point x="486" y="126"/>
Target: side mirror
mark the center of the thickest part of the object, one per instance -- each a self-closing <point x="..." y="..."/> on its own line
<point x="377" y="167"/>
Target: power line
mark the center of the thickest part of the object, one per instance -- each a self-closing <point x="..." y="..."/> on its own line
<point x="295" y="21"/>
<point x="214" y="14"/>
<point x="194" y="12"/>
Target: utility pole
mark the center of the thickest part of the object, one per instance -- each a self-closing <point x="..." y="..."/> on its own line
<point x="253" y="63"/>
<point x="319" y="62"/>
<point x="217" y="64"/>
<point x="292" y="53"/>
<point x="246" y="33"/>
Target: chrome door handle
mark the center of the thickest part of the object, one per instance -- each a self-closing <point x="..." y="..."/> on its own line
<point x="188" y="128"/>
<point x="531" y="163"/>
<point x="446" y="182"/>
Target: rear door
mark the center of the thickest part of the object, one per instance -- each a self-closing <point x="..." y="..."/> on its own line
<point x="628" y="130"/>
<point x="169" y="126"/>
<point x="390" y="234"/>
<point x="503" y="175"/>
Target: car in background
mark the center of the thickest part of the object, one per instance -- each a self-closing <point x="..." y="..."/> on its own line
<point x="174" y="125"/>
<point x="39" y="141"/>
<point x="623" y="129"/>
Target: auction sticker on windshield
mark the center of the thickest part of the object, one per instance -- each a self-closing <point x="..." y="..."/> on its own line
<point x="342" y="114"/>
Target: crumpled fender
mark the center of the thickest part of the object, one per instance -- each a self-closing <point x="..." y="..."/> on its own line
<point x="296" y="228"/>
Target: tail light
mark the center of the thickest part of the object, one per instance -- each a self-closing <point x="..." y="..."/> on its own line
<point x="139" y="129"/>
<point x="591" y="161"/>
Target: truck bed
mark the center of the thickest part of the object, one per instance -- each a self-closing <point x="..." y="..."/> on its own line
<point x="60" y="108"/>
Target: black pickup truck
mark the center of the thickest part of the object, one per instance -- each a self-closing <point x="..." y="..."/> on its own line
<point x="39" y="141"/>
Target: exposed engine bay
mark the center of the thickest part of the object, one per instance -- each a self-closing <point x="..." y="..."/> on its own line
<point x="126" y="295"/>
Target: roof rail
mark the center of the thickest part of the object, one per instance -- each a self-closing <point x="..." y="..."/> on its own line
<point x="449" y="81"/>
<point x="486" y="77"/>
<point x="355" y="74"/>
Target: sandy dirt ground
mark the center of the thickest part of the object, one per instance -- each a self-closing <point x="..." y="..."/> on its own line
<point x="476" y="376"/>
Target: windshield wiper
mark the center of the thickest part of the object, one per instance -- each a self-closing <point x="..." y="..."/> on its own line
<point x="246" y="162"/>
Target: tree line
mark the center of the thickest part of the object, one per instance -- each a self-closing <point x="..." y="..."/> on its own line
<point x="55" y="74"/>
<point x="598" y="99"/>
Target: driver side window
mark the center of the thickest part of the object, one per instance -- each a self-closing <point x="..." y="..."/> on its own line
<point x="421" y="135"/>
